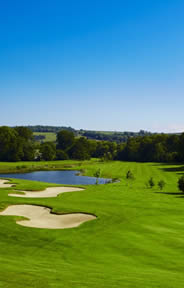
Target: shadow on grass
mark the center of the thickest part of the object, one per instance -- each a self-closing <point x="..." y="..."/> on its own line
<point x="174" y="169"/>
<point x="178" y="167"/>
<point x="171" y="193"/>
<point x="177" y="194"/>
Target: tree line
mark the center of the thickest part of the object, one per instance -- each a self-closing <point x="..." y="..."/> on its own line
<point x="45" y="128"/>
<point x="68" y="146"/>
<point x="117" y="137"/>
<point x="153" y="148"/>
<point x="17" y="144"/>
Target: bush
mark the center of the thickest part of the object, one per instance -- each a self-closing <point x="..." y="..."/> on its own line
<point x="181" y="183"/>
<point x="97" y="175"/>
<point x="151" y="183"/>
<point x="129" y="175"/>
<point x="161" y="184"/>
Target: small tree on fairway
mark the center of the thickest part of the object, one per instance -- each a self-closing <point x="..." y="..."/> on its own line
<point x="181" y="183"/>
<point x="129" y="175"/>
<point x="161" y="184"/>
<point x="97" y="175"/>
<point x="151" y="183"/>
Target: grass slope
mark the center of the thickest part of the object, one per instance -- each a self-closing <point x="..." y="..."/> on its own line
<point x="136" y="241"/>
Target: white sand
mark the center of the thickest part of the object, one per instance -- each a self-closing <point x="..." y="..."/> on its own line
<point x="5" y="184"/>
<point x="48" y="192"/>
<point x="40" y="217"/>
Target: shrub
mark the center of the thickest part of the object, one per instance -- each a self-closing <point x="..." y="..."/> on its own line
<point x="151" y="183"/>
<point x="181" y="183"/>
<point x="161" y="184"/>
<point x="129" y="175"/>
<point x="97" y="175"/>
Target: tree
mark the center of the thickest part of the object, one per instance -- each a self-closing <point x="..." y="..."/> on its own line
<point x="61" y="155"/>
<point x="10" y="147"/>
<point x="97" y="175"/>
<point x="80" y="149"/>
<point x="29" y="151"/>
<point x="181" y="148"/>
<point x="65" y="139"/>
<point x="48" y="151"/>
<point x="25" y="138"/>
<point x="181" y="183"/>
<point x="129" y="175"/>
<point x="151" y="183"/>
<point x="24" y="132"/>
<point x="161" y="184"/>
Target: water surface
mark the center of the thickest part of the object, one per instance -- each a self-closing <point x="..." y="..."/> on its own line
<point x="58" y="177"/>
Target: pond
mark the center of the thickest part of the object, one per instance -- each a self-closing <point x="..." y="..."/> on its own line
<point x="57" y="177"/>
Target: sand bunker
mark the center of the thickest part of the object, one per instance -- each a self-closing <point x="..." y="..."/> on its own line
<point x="5" y="184"/>
<point x="48" y="192"/>
<point x="41" y="217"/>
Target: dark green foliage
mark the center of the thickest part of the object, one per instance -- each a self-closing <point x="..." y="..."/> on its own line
<point x="61" y="155"/>
<point x="24" y="132"/>
<point x="117" y="137"/>
<point x="65" y="139"/>
<point x="151" y="182"/>
<point x="111" y="136"/>
<point x="153" y="148"/>
<point x="9" y="149"/>
<point x="105" y="150"/>
<point x="80" y="149"/>
<point x="181" y="148"/>
<point x="129" y="175"/>
<point x="28" y="151"/>
<point x="54" y="129"/>
<point x="181" y="183"/>
<point x="97" y="175"/>
<point x="16" y="144"/>
<point x="161" y="184"/>
<point x="48" y="151"/>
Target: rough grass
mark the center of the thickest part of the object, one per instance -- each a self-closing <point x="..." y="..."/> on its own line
<point x="136" y="241"/>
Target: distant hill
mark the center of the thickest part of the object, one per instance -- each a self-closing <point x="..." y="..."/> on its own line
<point x="54" y="129"/>
<point x="41" y="133"/>
<point x="111" y="135"/>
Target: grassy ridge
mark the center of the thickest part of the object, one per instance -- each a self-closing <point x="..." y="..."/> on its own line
<point x="136" y="241"/>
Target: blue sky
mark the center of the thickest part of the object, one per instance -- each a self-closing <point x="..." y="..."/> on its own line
<point x="103" y="65"/>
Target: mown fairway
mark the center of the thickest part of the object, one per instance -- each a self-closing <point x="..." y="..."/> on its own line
<point x="136" y="241"/>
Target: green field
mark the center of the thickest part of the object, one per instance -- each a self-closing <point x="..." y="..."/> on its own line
<point x="137" y="239"/>
<point x="49" y="136"/>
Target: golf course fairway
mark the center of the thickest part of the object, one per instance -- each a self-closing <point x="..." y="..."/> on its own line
<point x="136" y="241"/>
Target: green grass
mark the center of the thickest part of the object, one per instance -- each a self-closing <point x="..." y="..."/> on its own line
<point x="136" y="241"/>
<point x="49" y="136"/>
